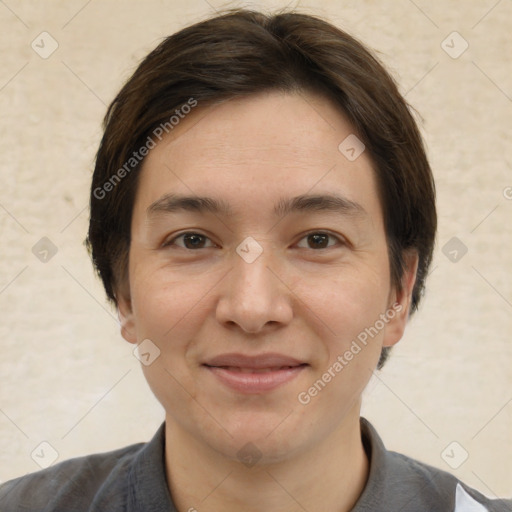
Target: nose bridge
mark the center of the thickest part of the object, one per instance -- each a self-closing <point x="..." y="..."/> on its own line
<point x="251" y="275"/>
<point x="253" y="297"/>
<point x="251" y="261"/>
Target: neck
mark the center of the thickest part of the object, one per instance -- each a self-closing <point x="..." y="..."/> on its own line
<point x="330" y="475"/>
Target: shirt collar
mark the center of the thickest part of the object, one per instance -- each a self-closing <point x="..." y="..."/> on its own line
<point x="148" y="489"/>
<point x="376" y="453"/>
<point x="147" y="479"/>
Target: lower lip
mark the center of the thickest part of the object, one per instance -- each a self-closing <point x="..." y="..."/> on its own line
<point x="255" y="382"/>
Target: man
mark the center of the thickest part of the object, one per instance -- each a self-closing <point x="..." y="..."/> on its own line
<point x="263" y="218"/>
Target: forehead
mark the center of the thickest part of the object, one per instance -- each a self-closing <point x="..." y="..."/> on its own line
<point x="257" y="150"/>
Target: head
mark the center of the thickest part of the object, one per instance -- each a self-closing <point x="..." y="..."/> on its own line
<point x="262" y="187"/>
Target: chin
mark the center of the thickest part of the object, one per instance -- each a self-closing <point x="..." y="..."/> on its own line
<point x="261" y="436"/>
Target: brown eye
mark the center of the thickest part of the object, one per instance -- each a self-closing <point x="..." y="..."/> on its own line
<point x="191" y="241"/>
<point x="318" y="241"/>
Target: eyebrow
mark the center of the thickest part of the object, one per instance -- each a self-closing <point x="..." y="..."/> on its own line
<point x="171" y="203"/>
<point x="321" y="203"/>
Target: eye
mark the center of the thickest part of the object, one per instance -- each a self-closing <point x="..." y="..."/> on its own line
<point x="319" y="240"/>
<point x="191" y="241"/>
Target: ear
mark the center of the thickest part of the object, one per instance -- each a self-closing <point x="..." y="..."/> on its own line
<point x="400" y="301"/>
<point x="126" y="317"/>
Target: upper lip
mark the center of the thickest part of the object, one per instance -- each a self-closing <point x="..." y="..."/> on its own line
<point x="257" y="362"/>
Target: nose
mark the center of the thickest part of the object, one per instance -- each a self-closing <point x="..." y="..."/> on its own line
<point x="254" y="296"/>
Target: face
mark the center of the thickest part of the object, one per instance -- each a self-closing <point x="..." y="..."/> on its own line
<point x="269" y="298"/>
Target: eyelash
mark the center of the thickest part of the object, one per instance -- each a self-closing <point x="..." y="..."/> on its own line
<point x="337" y="238"/>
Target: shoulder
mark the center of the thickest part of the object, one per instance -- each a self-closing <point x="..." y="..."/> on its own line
<point x="435" y="487"/>
<point x="71" y="485"/>
<point x="398" y="482"/>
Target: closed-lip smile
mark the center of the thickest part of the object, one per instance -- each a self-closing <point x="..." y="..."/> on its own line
<point x="254" y="374"/>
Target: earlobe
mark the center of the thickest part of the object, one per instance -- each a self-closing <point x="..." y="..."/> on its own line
<point x="401" y="301"/>
<point x="126" y="319"/>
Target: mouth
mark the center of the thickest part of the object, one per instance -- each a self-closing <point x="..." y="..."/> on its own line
<point x="255" y="370"/>
<point x="254" y="374"/>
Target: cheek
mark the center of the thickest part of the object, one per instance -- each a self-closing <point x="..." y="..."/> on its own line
<point x="170" y="310"/>
<point x="346" y="301"/>
<point x="348" y="306"/>
<point x="351" y="346"/>
<point x="166" y="303"/>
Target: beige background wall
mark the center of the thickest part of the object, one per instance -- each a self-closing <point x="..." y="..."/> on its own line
<point x="67" y="377"/>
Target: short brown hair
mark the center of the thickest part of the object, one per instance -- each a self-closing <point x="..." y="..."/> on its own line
<point x="244" y="52"/>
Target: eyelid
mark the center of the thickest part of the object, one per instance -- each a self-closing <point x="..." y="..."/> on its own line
<point x="340" y="239"/>
<point x="171" y="241"/>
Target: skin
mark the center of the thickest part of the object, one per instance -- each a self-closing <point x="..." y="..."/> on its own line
<point x="296" y="299"/>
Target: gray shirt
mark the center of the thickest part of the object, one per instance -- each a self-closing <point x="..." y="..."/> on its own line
<point x="133" y="479"/>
